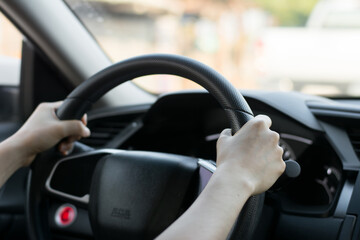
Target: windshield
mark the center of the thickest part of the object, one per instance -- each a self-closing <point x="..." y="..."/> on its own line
<point x="293" y="45"/>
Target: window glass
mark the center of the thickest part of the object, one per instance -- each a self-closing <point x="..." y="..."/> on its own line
<point x="10" y="52"/>
<point x="310" y="46"/>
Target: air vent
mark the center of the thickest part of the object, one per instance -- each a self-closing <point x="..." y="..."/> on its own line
<point x="354" y="135"/>
<point x="105" y="130"/>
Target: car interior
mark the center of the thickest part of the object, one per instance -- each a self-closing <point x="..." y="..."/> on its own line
<point x="172" y="134"/>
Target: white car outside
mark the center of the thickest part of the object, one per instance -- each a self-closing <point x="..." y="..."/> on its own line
<point x="325" y="53"/>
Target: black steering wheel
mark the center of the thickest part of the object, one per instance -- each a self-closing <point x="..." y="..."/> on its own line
<point x="135" y="195"/>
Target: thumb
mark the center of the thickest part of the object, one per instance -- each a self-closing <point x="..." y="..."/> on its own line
<point x="75" y="128"/>
<point x="225" y="133"/>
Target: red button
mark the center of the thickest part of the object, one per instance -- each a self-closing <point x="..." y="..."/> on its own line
<point x="65" y="215"/>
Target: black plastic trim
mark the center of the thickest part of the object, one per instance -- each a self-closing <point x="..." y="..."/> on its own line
<point x="340" y="142"/>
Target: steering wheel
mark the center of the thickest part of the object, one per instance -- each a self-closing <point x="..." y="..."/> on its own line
<point x="133" y="194"/>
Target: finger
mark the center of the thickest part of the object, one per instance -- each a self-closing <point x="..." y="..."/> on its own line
<point x="259" y="120"/>
<point x="74" y="128"/>
<point x="264" y="118"/>
<point x="66" y="147"/>
<point x="71" y="139"/>
<point x="84" y="119"/>
<point x="54" y="105"/>
<point x="47" y="105"/>
<point x="225" y="133"/>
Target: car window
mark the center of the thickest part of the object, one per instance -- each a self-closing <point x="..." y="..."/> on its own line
<point x="10" y="53"/>
<point x="256" y="44"/>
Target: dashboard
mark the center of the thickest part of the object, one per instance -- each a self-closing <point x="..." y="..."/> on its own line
<point x="318" y="133"/>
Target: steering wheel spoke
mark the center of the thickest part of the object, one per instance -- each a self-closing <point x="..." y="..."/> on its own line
<point x="70" y="178"/>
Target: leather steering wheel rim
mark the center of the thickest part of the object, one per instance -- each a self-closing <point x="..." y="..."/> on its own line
<point x="230" y="99"/>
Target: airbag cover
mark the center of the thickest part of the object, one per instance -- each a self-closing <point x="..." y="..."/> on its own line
<point x="136" y="195"/>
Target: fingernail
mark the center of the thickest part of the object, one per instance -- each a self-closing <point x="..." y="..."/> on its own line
<point x="85" y="118"/>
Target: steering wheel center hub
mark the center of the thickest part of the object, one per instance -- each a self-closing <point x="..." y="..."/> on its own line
<point x="136" y="195"/>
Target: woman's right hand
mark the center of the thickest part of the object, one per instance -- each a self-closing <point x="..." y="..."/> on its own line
<point x="252" y="156"/>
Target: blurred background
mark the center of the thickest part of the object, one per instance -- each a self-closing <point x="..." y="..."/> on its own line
<point x="310" y="46"/>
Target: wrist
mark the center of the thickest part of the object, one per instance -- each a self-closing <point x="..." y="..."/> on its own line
<point x="20" y="143"/>
<point x="13" y="157"/>
<point x="234" y="179"/>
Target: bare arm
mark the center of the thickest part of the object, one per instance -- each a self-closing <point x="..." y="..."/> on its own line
<point x="248" y="163"/>
<point x="41" y="131"/>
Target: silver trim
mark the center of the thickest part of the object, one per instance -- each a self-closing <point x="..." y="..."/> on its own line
<point x="296" y="138"/>
<point x="212" y="137"/>
<point x="215" y="136"/>
<point x="85" y="198"/>
<point x="207" y="165"/>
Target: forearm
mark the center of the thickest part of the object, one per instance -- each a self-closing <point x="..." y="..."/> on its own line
<point x="12" y="157"/>
<point x="214" y="212"/>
